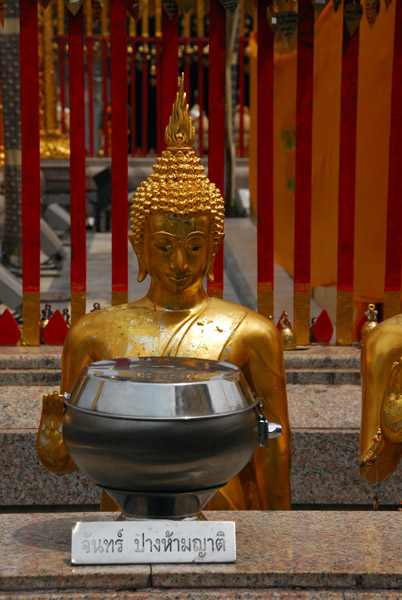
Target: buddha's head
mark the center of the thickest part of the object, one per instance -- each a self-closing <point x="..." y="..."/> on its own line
<point x="177" y="214"/>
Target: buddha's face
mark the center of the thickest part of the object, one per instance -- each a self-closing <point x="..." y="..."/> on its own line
<point x="177" y="252"/>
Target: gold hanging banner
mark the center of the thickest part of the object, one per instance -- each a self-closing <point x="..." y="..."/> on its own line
<point x="170" y="7"/>
<point x="230" y="5"/>
<point x="44" y="3"/>
<point x="2" y="12"/>
<point x="135" y="8"/>
<point x="353" y="13"/>
<point x="344" y="318"/>
<point x="336" y="4"/>
<point x="372" y="9"/>
<point x="73" y="5"/>
<point x="319" y="5"/>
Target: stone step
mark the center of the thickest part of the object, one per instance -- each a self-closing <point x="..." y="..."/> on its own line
<point x="325" y="423"/>
<point x="280" y="555"/>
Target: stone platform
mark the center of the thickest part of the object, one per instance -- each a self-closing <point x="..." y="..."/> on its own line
<point x="324" y="406"/>
<point x="305" y="555"/>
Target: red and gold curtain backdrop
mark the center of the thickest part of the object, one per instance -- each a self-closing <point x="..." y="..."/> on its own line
<point x="216" y="152"/>
<point x="30" y="170"/>
<point x="393" y="265"/>
<point x="303" y="173"/>
<point x="265" y="163"/>
<point x="347" y="180"/>
<point x="77" y="164"/>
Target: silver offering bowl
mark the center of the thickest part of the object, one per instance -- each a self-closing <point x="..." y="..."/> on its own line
<point x="162" y="435"/>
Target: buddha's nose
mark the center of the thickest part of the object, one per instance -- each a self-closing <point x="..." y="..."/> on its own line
<point x="179" y="260"/>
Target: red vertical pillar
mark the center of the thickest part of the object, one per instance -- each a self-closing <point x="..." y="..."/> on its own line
<point x="392" y="299"/>
<point x="216" y="102"/>
<point x="304" y="137"/>
<point x="30" y="170"/>
<point x="347" y="186"/>
<point x="119" y="91"/>
<point x="265" y="163"/>
<point x="169" y="70"/>
<point x="77" y="165"/>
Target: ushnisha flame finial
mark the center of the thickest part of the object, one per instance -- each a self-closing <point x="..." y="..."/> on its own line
<point x="180" y="132"/>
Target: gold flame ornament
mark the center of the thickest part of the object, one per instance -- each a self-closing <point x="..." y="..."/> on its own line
<point x="73" y="5"/>
<point x="372" y="321"/>
<point x="180" y="132"/>
<point x="288" y="335"/>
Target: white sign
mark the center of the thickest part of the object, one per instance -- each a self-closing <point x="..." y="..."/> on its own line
<point x="152" y="542"/>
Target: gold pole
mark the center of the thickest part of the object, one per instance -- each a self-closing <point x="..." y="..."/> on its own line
<point x="131" y="27"/>
<point x="200" y="18"/>
<point x="186" y="24"/>
<point x="145" y="21"/>
<point x="158" y="18"/>
<point x="88" y="17"/>
<point x="60" y="17"/>
<point x="53" y="144"/>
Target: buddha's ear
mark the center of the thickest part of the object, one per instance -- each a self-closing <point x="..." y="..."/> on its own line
<point x="210" y="272"/>
<point x="139" y="251"/>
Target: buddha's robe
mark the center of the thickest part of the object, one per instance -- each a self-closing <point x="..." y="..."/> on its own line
<point x="216" y="330"/>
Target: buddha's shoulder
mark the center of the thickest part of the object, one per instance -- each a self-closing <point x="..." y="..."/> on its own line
<point x="388" y="333"/>
<point x="121" y="313"/>
<point x="246" y="317"/>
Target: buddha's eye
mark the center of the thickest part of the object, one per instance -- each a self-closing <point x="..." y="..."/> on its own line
<point x="163" y="248"/>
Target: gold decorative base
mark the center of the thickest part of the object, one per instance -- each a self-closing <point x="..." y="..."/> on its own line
<point x="78" y="305"/>
<point x="54" y="145"/>
<point x="301" y="325"/>
<point x="31" y="317"/>
<point x="344" y="318"/>
<point x="392" y="304"/>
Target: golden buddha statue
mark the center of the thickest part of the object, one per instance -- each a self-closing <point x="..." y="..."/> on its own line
<point x="381" y="421"/>
<point x="177" y="218"/>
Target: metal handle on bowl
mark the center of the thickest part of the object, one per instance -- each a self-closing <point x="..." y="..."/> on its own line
<point x="267" y="430"/>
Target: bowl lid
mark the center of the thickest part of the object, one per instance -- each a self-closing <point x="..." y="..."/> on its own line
<point x="161" y="387"/>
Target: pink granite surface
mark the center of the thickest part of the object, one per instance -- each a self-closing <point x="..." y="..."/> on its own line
<point x="350" y="554"/>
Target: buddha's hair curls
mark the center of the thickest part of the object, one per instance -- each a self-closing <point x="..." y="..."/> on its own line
<point x="178" y="186"/>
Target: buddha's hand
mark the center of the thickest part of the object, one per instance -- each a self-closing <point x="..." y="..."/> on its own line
<point x="391" y="407"/>
<point x="370" y="456"/>
<point x="51" y="449"/>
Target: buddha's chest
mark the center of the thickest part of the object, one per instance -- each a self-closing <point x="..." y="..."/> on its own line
<point x="197" y="336"/>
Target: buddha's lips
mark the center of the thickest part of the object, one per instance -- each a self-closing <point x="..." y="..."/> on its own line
<point x="179" y="276"/>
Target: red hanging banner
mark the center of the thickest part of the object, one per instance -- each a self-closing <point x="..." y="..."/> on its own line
<point x="119" y="91"/>
<point x="265" y="163"/>
<point x="30" y="170"/>
<point x="347" y="179"/>
<point x="169" y="70"/>
<point x="304" y="145"/>
<point x="77" y="165"/>
<point x="392" y="300"/>
<point x="216" y="101"/>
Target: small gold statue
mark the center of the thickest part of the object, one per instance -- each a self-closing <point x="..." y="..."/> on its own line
<point x="372" y="321"/>
<point x="177" y="218"/>
<point x="288" y="335"/>
<point x="381" y="421"/>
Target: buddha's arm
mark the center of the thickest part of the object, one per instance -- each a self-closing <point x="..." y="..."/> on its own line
<point x="50" y="445"/>
<point x="379" y="457"/>
<point x="265" y="373"/>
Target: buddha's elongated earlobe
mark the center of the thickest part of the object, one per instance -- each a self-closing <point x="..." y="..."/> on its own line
<point x="142" y="270"/>
<point x="210" y="272"/>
